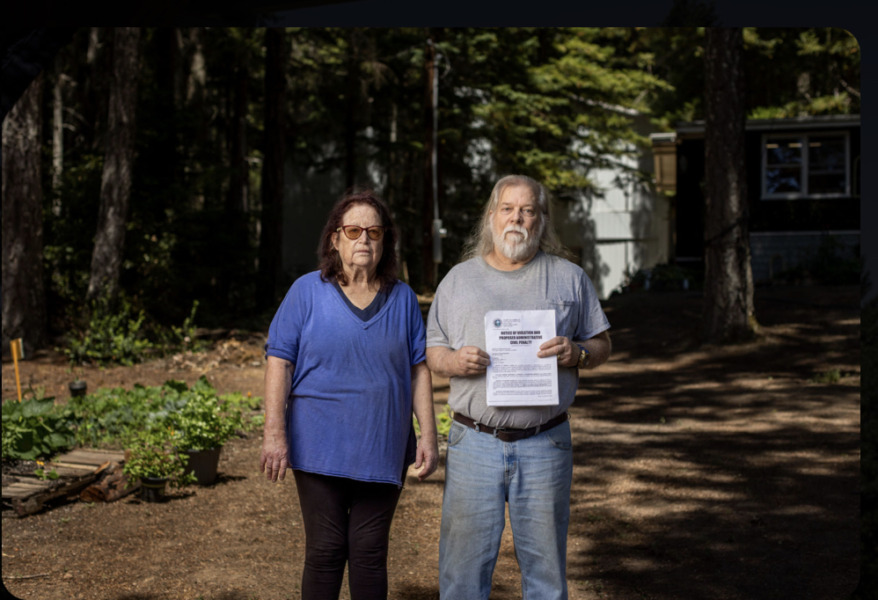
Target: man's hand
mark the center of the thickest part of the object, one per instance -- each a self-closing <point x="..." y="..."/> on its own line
<point x="562" y="347"/>
<point x="463" y="362"/>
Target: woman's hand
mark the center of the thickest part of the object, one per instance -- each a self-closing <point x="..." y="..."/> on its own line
<point x="278" y="380"/>
<point x="427" y="457"/>
<point x="274" y="455"/>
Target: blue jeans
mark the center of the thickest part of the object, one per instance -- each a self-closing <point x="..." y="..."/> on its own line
<point x="482" y="474"/>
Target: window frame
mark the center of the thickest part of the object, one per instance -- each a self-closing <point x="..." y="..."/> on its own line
<point x="805" y="169"/>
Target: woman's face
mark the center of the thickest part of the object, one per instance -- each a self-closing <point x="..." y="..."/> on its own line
<point x="362" y="253"/>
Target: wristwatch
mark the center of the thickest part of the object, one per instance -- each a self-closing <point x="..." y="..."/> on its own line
<point x="584" y="355"/>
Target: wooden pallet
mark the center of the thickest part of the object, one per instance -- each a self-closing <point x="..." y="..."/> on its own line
<point x="27" y="494"/>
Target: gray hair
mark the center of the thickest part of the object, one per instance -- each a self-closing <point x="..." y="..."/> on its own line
<point x="481" y="240"/>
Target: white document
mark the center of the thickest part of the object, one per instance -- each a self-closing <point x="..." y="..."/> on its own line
<point x="516" y="375"/>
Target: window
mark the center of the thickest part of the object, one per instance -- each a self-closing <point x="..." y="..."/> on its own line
<point x="805" y="166"/>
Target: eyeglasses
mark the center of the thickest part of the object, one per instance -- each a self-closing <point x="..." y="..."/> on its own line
<point x="353" y="232"/>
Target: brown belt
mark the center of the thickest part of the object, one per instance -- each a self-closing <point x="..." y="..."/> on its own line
<point x="510" y="435"/>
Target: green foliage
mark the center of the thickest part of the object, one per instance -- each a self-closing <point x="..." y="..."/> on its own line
<point x="34" y="428"/>
<point x="204" y="421"/>
<point x="830" y="376"/>
<point x="199" y="418"/>
<point x="555" y="103"/>
<point x="153" y="453"/>
<point x="117" y="334"/>
<point x="183" y="337"/>
<point x="113" y="335"/>
<point x="108" y="415"/>
<point x="41" y="473"/>
<point x="443" y="422"/>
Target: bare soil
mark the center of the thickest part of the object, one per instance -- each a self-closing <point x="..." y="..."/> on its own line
<point x="701" y="473"/>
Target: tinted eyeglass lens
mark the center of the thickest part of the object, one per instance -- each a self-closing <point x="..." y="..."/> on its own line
<point x="353" y="232"/>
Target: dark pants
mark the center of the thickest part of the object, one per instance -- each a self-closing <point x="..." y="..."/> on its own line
<point x="346" y="521"/>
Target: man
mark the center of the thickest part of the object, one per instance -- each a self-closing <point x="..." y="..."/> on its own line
<point x="523" y="454"/>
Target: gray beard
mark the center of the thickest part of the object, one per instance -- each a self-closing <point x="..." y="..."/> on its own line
<point x="517" y="250"/>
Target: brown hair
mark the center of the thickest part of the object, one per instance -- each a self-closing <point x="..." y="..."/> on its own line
<point x="330" y="263"/>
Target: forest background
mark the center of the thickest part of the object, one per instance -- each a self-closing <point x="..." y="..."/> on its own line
<point x="211" y="117"/>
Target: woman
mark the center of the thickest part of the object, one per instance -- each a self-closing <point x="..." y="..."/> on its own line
<point x="345" y="369"/>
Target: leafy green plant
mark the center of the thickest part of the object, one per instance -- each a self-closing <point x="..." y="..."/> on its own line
<point x="113" y="335"/>
<point x="201" y="418"/>
<point x="182" y="337"/>
<point x="34" y="428"/>
<point x="204" y="421"/>
<point x="153" y="453"/>
<point x="108" y="415"/>
<point x="41" y="472"/>
<point x="830" y="376"/>
<point x="443" y="422"/>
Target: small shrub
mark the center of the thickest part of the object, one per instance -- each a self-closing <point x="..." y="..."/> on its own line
<point x="153" y="453"/>
<point x="113" y="335"/>
<point x="117" y="334"/>
<point x="203" y="421"/>
<point x="443" y="423"/>
<point x="830" y="376"/>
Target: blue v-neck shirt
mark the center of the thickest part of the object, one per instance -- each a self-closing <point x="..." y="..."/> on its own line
<point x="349" y="413"/>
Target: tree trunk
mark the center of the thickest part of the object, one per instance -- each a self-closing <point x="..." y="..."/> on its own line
<point x="236" y="252"/>
<point x="57" y="138"/>
<point x="352" y="107"/>
<point x="728" y="288"/>
<point x="24" y="300"/>
<point x="270" y="251"/>
<point x="106" y="261"/>
<point x="429" y="267"/>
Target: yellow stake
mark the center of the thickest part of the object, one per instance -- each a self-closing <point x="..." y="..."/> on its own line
<point x="16" y="354"/>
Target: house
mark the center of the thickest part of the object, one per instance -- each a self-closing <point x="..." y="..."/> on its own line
<point x="803" y="189"/>
<point x="620" y="225"/>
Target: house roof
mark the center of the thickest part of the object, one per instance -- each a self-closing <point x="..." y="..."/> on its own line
<point x="695" y="129"/>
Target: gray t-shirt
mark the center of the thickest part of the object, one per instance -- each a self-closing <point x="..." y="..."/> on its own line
<point x="472" y="288"/>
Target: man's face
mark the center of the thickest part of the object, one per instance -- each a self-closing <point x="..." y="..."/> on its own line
<point x="517" y="224"/>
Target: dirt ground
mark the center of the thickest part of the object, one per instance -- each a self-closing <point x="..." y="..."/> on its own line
<point x="701" y="473"/>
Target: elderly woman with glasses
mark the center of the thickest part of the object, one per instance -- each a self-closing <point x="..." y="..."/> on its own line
<point x="346" y="368"/>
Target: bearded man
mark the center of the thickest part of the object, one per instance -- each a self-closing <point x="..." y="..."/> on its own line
<point x="521" y="455"/>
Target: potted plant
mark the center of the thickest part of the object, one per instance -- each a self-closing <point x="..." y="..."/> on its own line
<point x="150" y="458"/>
<point x="203" y="425"/>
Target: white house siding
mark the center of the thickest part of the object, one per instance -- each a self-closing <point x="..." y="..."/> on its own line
<point x="620" y="226"/>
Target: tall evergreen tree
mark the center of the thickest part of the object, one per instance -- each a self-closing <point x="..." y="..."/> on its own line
<point x="274" y="135"/>
<point x="106" y="262"/>
<point x="24" y="301"/>
<point x="728" y="288"/>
